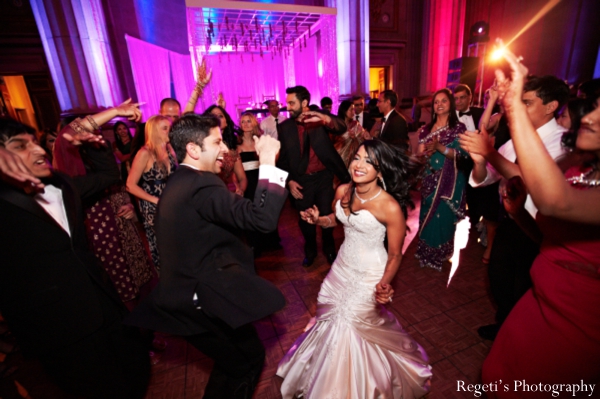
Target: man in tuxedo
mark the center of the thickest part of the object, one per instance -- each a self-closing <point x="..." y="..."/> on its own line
<point x="394" y="130"/>
<point x="55" y="296"/>
<point x="208" y="290"/>
<point x="470" y="116"/>
<point x="307" y="153"/>
<point x="362" y="117"/>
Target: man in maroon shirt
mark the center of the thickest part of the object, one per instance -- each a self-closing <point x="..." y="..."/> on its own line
<point x="309" y="157"/>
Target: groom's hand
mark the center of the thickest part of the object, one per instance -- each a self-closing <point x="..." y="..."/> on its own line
<point x="267" y="149"/>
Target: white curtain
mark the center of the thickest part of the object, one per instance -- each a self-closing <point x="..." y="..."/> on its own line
<point x="151" y="74"/>
<point x="306" y="61"/>
<point x="236" y="75"/>
<point x="183" y="77"/>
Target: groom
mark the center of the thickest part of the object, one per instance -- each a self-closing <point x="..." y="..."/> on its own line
<point x="208" y="291"/>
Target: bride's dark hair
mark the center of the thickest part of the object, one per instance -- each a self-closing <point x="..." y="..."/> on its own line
<point x="398" y="170"/>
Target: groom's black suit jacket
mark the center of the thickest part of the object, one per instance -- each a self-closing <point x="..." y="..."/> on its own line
<point x="197" y="229"/>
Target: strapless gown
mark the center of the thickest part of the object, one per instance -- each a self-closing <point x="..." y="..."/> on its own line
<point x="356" y="349"/>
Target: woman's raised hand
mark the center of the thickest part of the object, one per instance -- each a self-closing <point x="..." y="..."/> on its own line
<point x="130" y="110"/>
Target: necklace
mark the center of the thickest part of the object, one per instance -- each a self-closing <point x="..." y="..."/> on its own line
<point x="582" y="179"/>
<point x="362" y="201"/>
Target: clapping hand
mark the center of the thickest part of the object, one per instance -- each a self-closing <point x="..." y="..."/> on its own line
<point x="478" y="144"/>
<point x="311" y="215"/>
<point x="383" y="293"/>
<point x="431" y="146"/>
<point x="510" y="89"/>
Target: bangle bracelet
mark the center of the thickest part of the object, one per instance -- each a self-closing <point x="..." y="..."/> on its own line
<point x="92" y="122"/>
<point x="446" y="151"/>
<point x="328" y="222"/>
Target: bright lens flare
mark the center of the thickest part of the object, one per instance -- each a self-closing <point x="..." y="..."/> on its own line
<point x="497" y="54"/>
<point x="461" y="237"/>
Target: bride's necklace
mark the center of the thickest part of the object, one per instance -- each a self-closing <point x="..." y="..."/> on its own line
<point x="582" y="179"/>
<point x="362" y="201"/>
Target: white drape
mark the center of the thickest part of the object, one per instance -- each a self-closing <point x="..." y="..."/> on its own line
<point x="151" y="74"/>
<point x="183" y="77"/>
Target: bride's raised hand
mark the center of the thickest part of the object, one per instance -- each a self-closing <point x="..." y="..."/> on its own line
<point x="383" y="293"/>
<point x="311" y="215"/>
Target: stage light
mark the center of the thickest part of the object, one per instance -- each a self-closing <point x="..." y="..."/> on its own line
<point x="480" y="32"/>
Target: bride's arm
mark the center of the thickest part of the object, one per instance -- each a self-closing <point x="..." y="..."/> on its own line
<point x="311" y="215"/>
<point x="396" y="231"/>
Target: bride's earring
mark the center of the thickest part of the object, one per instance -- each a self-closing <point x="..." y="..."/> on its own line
<point x="382" y="183"/>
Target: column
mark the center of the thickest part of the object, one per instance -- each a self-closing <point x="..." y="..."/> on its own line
<point x="352" y="45"/>
<point x="78" y="52"/>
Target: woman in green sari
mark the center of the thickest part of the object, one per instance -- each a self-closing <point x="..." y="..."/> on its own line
<point x="443" y="186"/>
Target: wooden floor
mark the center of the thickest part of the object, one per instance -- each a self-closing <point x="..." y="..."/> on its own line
<point x="444" y="320"/>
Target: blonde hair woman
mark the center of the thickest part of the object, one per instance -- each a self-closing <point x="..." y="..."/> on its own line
<point x="151" y="167"/>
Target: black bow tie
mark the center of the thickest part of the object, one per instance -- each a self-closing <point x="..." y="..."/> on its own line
<point x="276" y="121"/>
<point x="468" y="113"/>
<point x="357" y="117"/>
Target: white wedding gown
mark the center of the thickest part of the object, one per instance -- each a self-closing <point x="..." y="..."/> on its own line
<point x="356" y="349"/>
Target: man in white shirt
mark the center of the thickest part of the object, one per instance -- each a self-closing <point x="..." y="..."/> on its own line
<point x="513" y="251"/>
<point x="269" y="124"/>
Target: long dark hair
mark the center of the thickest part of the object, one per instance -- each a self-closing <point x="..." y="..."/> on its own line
<point x="399" y="172"/>
<point x="231" y="132"/>
<point x="118" y="141"/>
<point x="577" y="109"/>
<point x="343" y="109"/>
<point x="452" y="118"/>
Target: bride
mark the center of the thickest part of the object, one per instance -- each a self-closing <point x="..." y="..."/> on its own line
<point x="357" y="349"/>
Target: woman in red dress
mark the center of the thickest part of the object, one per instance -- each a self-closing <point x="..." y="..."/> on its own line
<point x="552" y="336"/>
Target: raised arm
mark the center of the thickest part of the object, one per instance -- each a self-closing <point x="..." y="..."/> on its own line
<point x="547" y="186"/>
<point x="489" y="121"/>
<point x="202" y="79"/>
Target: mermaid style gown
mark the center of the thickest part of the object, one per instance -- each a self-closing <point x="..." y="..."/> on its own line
<point x="356" y="349"/>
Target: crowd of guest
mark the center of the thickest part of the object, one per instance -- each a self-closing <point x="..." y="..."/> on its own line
<point x="524" y="168"/>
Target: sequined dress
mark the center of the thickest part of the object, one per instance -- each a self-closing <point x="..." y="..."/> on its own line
<point x="442" y="199"/>
<point x="356" y="349"/>
<point x="153" y="182"/>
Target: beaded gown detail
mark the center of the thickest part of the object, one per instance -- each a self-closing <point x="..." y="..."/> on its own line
<point x="153" y="182"/>
<point x="356" y="349"/>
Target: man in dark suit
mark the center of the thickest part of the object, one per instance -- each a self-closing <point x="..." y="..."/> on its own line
<point x="394" y="130"/>
<point x="470" y="116"/>
<point x="307" y="153"/>
<point x="208" y="291"/>
<point x="57" y="299"/>
<point x="361" y="115"/>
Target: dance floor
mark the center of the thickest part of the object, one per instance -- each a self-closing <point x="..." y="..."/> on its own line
<point x="443" y="320"/>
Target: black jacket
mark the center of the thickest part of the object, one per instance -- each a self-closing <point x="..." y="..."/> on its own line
<point x="198" y="222"/>
<point x="290" y="157"/>
<point x="53" y="291"/>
